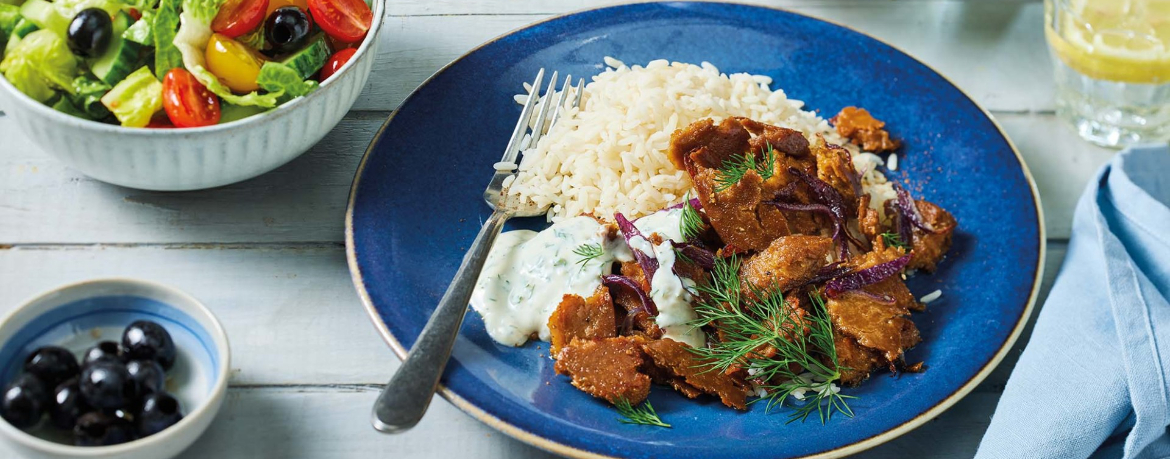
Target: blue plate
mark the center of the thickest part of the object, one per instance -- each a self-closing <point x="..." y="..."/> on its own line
<point x="415" y="207"/>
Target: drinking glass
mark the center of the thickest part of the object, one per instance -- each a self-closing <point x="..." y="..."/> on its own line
<point x="1112" y="66"/>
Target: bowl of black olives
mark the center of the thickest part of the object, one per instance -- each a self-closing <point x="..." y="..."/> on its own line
<point x="112" y="369"/>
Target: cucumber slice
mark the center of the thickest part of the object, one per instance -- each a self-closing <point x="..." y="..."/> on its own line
<point x="45" y="16"/>
<point x="24" y="27"/>
<point x="122" y="55"/>
<point x="311" y="58"/>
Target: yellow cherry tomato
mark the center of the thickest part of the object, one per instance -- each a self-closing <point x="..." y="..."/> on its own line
<point x="274" y="4"/>
<point x="236" y="65"/>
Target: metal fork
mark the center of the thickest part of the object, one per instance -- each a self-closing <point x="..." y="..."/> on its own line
<point x="409" y="392"/>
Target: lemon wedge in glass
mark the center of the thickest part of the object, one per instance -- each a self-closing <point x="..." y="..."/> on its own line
<point x="1114" y="40"/>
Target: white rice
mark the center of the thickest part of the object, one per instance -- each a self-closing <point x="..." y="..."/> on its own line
<point x="892" y="164"/>
<point x="609" y="155"/>
<point x="930" y="297"/>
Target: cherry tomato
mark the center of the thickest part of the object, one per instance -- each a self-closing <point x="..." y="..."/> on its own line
<point x="340" y="45"/>
<point x="160" y="121"/>
<point x="238" y="17"/>
<point x="187" y="102"/>
<point x="274" y="4"/>
<point x="236" y="65"/>
<point x="335" y="62"/>
<point x="344" y="20"/>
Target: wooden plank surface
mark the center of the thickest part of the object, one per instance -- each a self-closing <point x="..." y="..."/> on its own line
<point x="43" y="201"/>
<point x="263" y="295"/>
<point x="310" y="396"/>
<point x="265" y="254"/>
<point x="317" y="422"/>
<point x="972" y="42"/>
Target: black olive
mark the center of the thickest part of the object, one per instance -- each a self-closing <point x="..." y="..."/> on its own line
<point x="146" y="340"/>
<point x="67" y="405"/>
<point x="100" y="429"/>
<point x="159" y="411"/>
<point x="53" y="364"/>
<point x="147" y="374"/>
<point x="107" y="385"/>
<point x="287" y="28"/>
<point x="89" y="32"/>
<point x="105" y="350"/>
<point x="24" y="401"/>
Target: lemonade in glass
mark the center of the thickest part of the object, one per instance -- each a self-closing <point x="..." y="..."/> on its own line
<point x="1112" y="64"/>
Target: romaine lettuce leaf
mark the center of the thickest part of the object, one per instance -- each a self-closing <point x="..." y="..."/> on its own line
<point x="63" y="105"/>
<point x="70" y="8"/>
<point x="252" y="99"/>
<point x="135" y="99"/>
<point x="192" y="43"/>
<point x="9" y="16"/>
<point x="196" y="30"/>
<point x="229" y="112"/>
<point x="22" y="73"/>
<point x="141" y="31"/>
<point x="87" y="96"/>
<point x="277" y="77"/>
<point x="38" y="63"/>
<point x="166" y="24"/>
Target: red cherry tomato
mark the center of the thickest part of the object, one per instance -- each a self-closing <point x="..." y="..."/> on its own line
<point x="238" y="17"/>
<point x="336" y="61"/>
<point x="160" y="121"/>
<point x="344" y="20"/>
<point x="336" y="45"/>
<point x="187" y="102"/>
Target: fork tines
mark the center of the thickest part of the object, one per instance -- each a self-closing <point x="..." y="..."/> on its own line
<point x="520" y="141"/>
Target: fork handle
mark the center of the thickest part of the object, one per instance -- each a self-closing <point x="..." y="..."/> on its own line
<point x="409" y="392"/>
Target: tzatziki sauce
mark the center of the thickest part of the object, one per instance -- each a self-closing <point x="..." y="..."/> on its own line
<point x="527" y="273"/>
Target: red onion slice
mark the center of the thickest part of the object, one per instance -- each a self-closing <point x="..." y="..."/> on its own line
<point x="649" y="264"/>
<point x="908" y="209"/>
<point x="613" y="280"/>
<point x="867" y="276"/>
<point x="838" y="225"/>
<point x="696" y="253"/>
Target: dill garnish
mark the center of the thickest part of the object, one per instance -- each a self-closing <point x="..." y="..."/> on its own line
<point x="588" y="252"/>
<point x="748" y="324"/>
<point x="734" y="167"/>
<point x="894" y="240"/>
<point x="643" y="415"/>
<point x="690" y="222"/>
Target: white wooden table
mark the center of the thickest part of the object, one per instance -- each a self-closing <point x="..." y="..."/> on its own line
<point x="267" y="254"/>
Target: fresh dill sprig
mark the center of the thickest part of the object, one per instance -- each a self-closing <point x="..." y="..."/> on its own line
<point x="690" y="222"/>
<point x="588" y="252"/>
<point x="764" y="318"/>
<point x="894" y="240"/>
<point x="732" y="170"/>
<point x="643" y="415"/>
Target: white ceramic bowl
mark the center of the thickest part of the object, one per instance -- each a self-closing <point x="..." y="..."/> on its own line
<point x="77" y="316"/>
<point x="195" y="158"/>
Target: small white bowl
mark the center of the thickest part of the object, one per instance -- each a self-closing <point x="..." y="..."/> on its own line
<point x="196" y="158"/>
<point x="77" y="316"/>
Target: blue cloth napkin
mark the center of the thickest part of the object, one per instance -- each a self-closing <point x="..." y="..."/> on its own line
<point x="1093" y="380"/>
